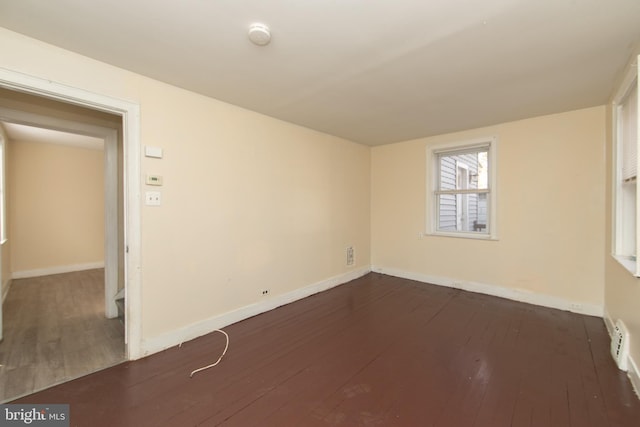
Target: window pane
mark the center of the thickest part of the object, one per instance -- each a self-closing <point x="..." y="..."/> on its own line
<point x="464" y="170"/>
<point x="627" y="219"/>
<point x="463" y="212"/>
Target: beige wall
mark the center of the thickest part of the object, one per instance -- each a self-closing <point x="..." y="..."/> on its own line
<point x="56" y="206"/>
<point x="550" y="210"/>
<point x="622" y="289"/>
<point x="249" y="202"/>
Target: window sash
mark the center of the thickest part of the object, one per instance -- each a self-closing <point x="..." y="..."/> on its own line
<point x="468" y="191"/>
<point x="475" y="221"/>
<point x="467" y="149"/>
<point x="440" y="155"/>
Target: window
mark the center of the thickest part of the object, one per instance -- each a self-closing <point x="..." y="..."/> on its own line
<point x="625" y="207"/>
<point x="461" y="200"/>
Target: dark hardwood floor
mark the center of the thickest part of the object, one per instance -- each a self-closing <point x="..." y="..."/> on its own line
<point x="55" y="330"/>
<point x="378" y="351"/>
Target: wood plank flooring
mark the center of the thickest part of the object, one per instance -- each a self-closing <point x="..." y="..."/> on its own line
<point x="55" y="330"/>
<point x="378" y="351"/>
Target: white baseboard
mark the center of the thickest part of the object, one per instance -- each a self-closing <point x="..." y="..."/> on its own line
<point x="56" y="270"/>
<point x="195" y="330"/>
<point x="608" y="322"/>
<point x="520" y="295"/>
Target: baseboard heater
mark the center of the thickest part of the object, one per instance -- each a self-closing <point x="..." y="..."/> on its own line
<point x="620" y="345"/>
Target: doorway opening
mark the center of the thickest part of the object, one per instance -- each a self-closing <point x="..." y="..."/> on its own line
<point x="114" y="122"/>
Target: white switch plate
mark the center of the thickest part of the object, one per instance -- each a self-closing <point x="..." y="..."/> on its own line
<point x="152" y="198"/>
<point x="155" y="152"/>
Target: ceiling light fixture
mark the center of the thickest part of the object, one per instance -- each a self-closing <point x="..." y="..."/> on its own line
<point x="259" y="34"/>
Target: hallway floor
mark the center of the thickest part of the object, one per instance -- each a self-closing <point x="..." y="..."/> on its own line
<point x="54" y="331"/>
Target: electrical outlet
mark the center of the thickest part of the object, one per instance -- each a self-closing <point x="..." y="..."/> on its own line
<point x="351" y="256"/>
<point x="265" y="292"/>
<point x="576" y="307"/>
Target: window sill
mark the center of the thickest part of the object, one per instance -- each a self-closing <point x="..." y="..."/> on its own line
<point x="459" y="235"/>
<point x="627" y="263"/>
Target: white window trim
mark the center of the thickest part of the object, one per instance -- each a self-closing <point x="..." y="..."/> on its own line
<point x="633" y="266"/>
<point x="432" y="182"/>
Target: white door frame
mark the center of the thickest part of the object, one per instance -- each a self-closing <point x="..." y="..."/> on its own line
<point x="130" y="113"/>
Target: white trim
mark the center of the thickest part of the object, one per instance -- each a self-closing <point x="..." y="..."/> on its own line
<point x="5" y="292"/>
<point x="189" y="332"/>
<point x="111" y="224"/>
<point x="634" y="375"/>
<point x="626" y="262"/>
<point x="130" y="112"/>
<point x="625" y="84"/>
<point x="463" y="235"/>
<point x="25" y="274"/>
<point x="5" y="288"/>
<point x="37" y="86"/>
<point x="520" y="295"/>
<point x="608" y="323"/>
<point x="132" y="233"/>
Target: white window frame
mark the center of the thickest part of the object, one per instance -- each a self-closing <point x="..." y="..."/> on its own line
<point x="433" y="179"/>
<point x="631" y="78"/>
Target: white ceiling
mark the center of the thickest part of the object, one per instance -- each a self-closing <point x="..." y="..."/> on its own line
<point x="372" y="71"/>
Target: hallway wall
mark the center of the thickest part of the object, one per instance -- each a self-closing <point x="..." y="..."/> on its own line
<point x="56" y="206"/>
